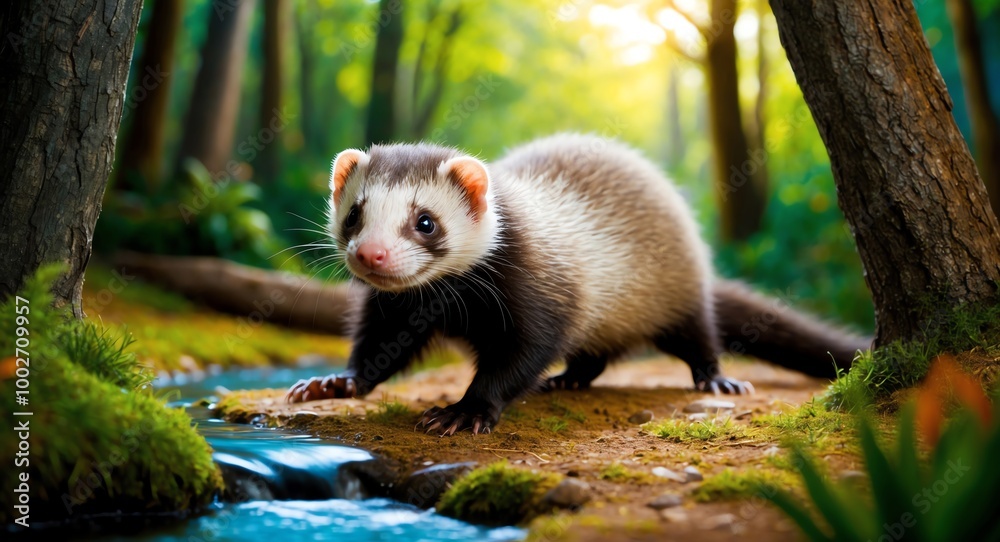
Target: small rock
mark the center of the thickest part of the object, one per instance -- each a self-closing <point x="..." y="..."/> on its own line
<point x="573" y="473"/>
<point x="693" y="474"/>
<point x="378" y="437"/>
<point x="674" y="515"/>
<point x="773" y="450"/>
<point x="664" y="472"/>
<point x="709" y="405"/>
<point x="305" y="415"/>
<point x="640" y="418"/>
<point x="570" y="493"/>
<point x="719" y="522"/>
<point x="698" y="417"/>
<point x="663" y="502"/>
<point x="744" y="414"/>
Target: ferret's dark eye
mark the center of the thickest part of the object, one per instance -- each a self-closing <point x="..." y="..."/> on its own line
<point x="352" y="217"/>
<point x="425" y="225"/>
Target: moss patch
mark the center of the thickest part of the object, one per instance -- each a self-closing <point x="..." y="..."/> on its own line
<point x="683" y="430"/>
<point x="733" y="485"/>
<point x="811" y="424"/>
<point x="971" y="332"/>
<point x="100" y="441"/>
<point x="392" y="413"/>
<point x="620" y="474"/>
<point x="497" y="494"/>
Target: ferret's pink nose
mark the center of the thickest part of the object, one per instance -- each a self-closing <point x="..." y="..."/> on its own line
<point x="371" y="255"/>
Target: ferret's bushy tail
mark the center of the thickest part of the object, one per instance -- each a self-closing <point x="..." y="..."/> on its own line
<point x="770" y="329"/>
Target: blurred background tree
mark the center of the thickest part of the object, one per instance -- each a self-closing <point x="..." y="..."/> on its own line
<point x="701" y="86"/>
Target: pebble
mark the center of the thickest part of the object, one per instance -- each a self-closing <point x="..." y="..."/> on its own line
<point x="674" y="515"/>
<point x="664" y="472"/>
<point x="641" y="417"/>
<point x="305" y="415"/>
<point x="693" y="474"/>
<point x="698" y="417"/>
<point x="719" y="522"/>
<point x="773" y="450"/>
<point x="665" y="501"/>
<point x="709" y="405"/>
<point x="570" y="493"/>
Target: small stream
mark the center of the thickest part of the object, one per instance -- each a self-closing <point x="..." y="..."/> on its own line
<point x="293" y="486"/>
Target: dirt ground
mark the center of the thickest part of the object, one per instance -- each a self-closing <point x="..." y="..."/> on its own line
<point x="595" y="433"/>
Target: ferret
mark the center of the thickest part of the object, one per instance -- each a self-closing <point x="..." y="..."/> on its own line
<point x="572" y="247"/>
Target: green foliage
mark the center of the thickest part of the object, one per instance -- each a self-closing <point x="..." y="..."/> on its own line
<point x="497" y="494"/>
<point x="102" y="353"/>
<point x="947" y="495"/>
<point x="812" y="424"/>
<point x="98" y="443"/>
<point x="730" y="485"/>
<point x="899" y="365"/>
<point x="553" y="423"/>
<point x="683" y="430"/>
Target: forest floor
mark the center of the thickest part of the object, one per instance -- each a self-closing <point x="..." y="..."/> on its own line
<point x="599" y="436"/>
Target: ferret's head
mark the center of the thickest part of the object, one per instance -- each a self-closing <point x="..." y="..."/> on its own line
<point x="403" y="215"/>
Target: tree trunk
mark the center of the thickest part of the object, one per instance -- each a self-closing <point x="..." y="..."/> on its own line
<point x="424" y="109"/>
<point x="276" y="13"/>
<point x="382" y="106"/>
<point x="905" y="179"/>
<point x="315" y="139"/>
<point x="146" y="108"/>
<point x="65" y="68"/>
<point x="284" y="298"/>
<point x="215" y="101"/>
<point x="675" y="133"/>
<point x="758" y="122"/>
<point x="985" y="126"/>
<point x="737" y="184"/>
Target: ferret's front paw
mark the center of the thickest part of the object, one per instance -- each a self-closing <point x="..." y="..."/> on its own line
<point x="453" y="418"/>
<point x="326" y="387"/>
<point x="721" y="384"/>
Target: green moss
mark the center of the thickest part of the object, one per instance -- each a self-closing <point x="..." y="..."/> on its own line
<point x="812" y="424"/>
<point x="620" y="474"/>
<point x="563" y="410"/>
<point x="731" y="485"/>
<point x="391" y="413"/>
<point x="683" y="430"/>
<point x="877" y="374"/>
<point x="97" y="444"/>
<point x="497" y="494"/>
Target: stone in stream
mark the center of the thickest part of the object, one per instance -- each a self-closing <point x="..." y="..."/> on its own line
<point x="709" y="405"/>
<point x="668" y="500"/>
<point x="570" y="493"/>
<point x="640" y="418"/>
<point x="664" y="472"/>
<point x="693" y="474"/>
<point x="424" y="487"/>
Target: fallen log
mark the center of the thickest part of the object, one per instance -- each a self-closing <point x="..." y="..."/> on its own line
<point x="257" y="294"/>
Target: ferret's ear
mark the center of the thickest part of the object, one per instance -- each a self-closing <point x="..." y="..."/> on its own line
<point x="472" y="177"/>
<point x="343" y="165"/>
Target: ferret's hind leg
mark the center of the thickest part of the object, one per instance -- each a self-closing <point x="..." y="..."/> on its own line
<point x="695" y="341"/>
<point x="581" y="369"/>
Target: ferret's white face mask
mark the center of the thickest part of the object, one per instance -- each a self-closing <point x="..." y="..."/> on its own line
<point x="400" y="233"/>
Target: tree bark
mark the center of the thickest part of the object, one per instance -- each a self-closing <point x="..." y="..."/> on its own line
<point x="146" y="108"/>
<point x="382" y="106"/>
<point x="65" y="68"/>
<point x="985" y="125"/>
<point x="905" y="179"/>
<point x="738" y="186"/>
<point x="276" y="13"/>
<point x="215" y="101"/>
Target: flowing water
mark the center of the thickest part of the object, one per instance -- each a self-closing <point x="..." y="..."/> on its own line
<point x="294" y="486"/>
